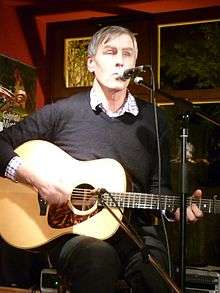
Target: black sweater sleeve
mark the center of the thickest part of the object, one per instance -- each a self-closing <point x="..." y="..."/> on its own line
<point x="164" y="148"/>
<point x="39" y="125"/>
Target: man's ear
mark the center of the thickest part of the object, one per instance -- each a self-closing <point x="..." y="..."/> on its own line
<point x="91" y="64"/>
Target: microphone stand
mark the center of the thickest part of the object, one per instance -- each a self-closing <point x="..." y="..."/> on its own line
<point x="184" y="136"/>
<point x="140" y="81"/>
<point x="185" y="107"/>
<point x="130" y="231"/>
<point x="184" y="104"/>
<point x="183" y="192"/>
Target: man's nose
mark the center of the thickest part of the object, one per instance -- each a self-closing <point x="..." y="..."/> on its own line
<point x="119" y="60"/>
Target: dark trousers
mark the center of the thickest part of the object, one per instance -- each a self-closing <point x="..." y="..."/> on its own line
<point x="92" y="265"/>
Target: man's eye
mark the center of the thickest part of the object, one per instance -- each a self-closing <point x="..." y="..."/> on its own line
<point x="127" y="53"/>
<point x="109" y="52"/>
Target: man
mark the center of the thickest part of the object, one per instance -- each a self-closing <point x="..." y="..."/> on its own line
<point x="106" y="121"/>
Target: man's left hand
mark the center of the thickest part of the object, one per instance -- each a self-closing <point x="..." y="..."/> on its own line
<point x="193" y="213"/>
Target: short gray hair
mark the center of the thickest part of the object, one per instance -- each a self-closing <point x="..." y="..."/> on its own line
<point x="107" y="33"/>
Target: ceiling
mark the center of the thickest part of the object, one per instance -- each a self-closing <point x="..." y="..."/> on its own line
<point x="62" y="10"/>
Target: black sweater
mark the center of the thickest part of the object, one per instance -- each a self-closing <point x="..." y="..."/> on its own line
<point x="85" y="134"/>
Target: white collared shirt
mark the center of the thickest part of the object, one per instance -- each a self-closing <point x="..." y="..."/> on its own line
<point x="129" y="105"/>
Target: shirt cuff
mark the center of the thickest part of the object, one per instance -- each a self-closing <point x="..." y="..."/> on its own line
<point x="12" y="167"/>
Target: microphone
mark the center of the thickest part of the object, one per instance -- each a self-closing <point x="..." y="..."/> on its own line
<point x="140" y="81"/>
<point x="132" y="72"/>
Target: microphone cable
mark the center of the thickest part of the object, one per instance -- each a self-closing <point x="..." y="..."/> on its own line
<point x="139" y="81"/>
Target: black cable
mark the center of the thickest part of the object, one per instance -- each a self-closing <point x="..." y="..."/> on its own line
<point x="151" y="88"/>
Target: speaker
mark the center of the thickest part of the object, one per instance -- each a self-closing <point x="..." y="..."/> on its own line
<point x="200" y="280"/>
<point x="49" y="281"/>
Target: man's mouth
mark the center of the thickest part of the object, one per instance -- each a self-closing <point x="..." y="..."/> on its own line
<point x="119" y="74"/>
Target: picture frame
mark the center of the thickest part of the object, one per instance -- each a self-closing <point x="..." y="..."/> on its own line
<point x="187" y="64"/>
<point x="76" y="73"/>
<point x="17" y="90"/>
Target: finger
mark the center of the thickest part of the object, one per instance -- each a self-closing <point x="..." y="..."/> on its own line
<point x="177" y="214"/>
<point x="191" y="217"/>
<point x="197" y="212"/>
<point x="197" y="193"/>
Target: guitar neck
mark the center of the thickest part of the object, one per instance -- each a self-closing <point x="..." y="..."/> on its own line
<point x="158" y="202"/>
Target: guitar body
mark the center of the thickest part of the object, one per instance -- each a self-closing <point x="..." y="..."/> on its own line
<point x="22" y="225"/>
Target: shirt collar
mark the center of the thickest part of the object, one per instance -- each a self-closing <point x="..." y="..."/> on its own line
<point x="98" y="101"/>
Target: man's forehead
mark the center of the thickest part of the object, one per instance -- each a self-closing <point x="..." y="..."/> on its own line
<point x="110" y="41"/>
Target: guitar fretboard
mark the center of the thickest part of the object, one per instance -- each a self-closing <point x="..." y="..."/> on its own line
<point x="158" y="202"/>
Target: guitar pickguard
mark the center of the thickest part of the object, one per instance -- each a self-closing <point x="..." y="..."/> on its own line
<point x="62" y="217"/>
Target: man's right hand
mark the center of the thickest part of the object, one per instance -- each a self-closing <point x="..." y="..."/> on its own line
<point x="53" y="189"/>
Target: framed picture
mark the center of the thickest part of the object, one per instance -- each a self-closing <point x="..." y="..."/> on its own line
<point x="188" y="60"/>
<point x="17" y="90"/>
<point x="76" y="73"/>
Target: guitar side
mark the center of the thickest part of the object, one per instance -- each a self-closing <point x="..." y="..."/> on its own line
<point x="21" y="224"/>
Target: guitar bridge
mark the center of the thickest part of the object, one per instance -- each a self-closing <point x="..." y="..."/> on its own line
<point x="42" y="205"/>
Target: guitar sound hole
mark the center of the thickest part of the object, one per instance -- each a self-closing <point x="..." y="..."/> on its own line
<point x="83" y="197"/>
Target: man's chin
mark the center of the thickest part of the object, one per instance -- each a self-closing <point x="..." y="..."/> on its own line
<point x="118" y="86"/>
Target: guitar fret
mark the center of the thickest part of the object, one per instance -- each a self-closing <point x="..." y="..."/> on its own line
<point x="199" y="204"/>
<point x="145" y="200"/>
<point x="123" y="202"/>
<point x="203" y="206"/>
<point x="134" y="201"/>
<point x="169" y="203"/>
<point x="158" y="202"/>
<point x="210" y="206"/>
<point x="165" y="203"/>
<point x="151" y="202"/>
<point x="128" y="201"/>
<point x="142" y="201"/>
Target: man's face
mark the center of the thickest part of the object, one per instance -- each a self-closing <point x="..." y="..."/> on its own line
<point x="112" y="58"/>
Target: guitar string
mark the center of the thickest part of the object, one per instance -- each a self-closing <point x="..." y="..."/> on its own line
<point x="141" y="199"/>
<point x="145" y="200"/>
<point x="139" y="196"/>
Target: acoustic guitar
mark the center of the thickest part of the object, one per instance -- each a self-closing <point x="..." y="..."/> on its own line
<point x="27" y="221"/>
